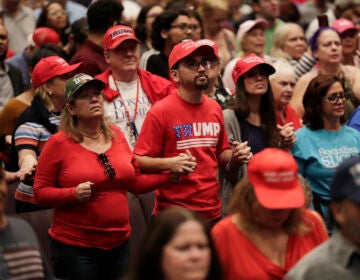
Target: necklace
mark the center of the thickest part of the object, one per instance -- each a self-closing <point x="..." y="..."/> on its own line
<point x="94" y="137"/>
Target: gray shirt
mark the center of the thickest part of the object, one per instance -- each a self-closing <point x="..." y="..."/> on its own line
<point x="6" y="88"/>
<point x="20" y="253"/>
<point x="335" y="259"/>
<point x="19" y="27"/>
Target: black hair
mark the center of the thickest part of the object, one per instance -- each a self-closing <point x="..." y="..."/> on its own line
<point x="80" y="30"/>
<point x="140" y="29"/>
<point x="163" y="22"/>
<point x="102" y="14"/>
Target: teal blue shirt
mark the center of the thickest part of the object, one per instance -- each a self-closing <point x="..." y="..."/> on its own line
<point x="319" y="152"/>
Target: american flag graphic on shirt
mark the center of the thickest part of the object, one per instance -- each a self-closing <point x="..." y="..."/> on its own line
<point x="21" y="264"/>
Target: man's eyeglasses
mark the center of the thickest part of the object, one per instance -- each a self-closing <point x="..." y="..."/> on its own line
<point x="194" y="64"/>
<point x="185" y="26"/>
<point x="335" y="97"/>
<point x="109" y="169"/>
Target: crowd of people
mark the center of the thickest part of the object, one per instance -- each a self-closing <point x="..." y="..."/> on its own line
<point x="240" y="117"/>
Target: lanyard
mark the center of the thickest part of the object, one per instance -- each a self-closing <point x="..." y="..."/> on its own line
<point x="131" y="121"/>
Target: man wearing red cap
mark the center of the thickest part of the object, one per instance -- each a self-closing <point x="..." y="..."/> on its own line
<point x="130" y="91"/>
<point x="190" y="123"/>
<point x="101" y="15"/>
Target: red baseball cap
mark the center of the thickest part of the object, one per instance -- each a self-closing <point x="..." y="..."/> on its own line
<point x="342" y="24"/>
<point x="274" y="175"/>
<point x="247" y="63"/>
<point x="50" y="67"/>
<point x="187" y="47"/>
<point x="115" y="35"/>
<point x="45" y="35"/>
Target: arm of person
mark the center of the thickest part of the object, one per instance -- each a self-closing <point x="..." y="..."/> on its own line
<point x="143" y="183"/>
<point x="356" y="84"/>
<point x="299" y="91"/>
<point x="287" y="134"/>
<point x="233" y="164"/>
<point x="46" y="190"/>
<point x="179" y="164"/>
<point x="27" y="163"/>
<point x="150" y="146"/>
<point x="237" y="156"/>
<point x="11" y="177"/>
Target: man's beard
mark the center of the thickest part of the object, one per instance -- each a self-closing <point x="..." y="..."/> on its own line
<point x="200" y="84"/>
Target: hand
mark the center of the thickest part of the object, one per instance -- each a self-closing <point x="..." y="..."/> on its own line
<point x="27" y="171"/>
<point x="83" y="191"/>
<point x="184" y="163"/>
<point x="287" y="133"/>
<point x="241" y="152"/>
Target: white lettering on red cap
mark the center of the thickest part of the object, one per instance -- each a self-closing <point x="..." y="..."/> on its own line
<point x="279" y="177"/>
<point x="206" y="42"/>
<point x="61" y="61"/>
<point x="121" y="32"/>
<point x="253" y="58"/>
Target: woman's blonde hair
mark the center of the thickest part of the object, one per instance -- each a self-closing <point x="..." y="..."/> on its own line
<point x="41" y="92"/>
<point x="241" y="203"/>
<point x="68" y="123"/>
<point x="208" y="6"/>
<point x="280" y="34"/>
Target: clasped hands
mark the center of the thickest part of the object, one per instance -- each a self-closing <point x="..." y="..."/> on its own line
<point x="287" y="133"/>
<point x="27" y="168"/>
<point x="183" y="164"/>
<point x="241" y="152"/>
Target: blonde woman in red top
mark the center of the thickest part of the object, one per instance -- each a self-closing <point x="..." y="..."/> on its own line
<point x="268" y="229"/>
<point x="84" y="173"/>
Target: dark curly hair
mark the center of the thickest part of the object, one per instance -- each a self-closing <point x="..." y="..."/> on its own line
<point x="102" y="14"/>
<point x="313" y="97"/>
<point x="163" y="22"/>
